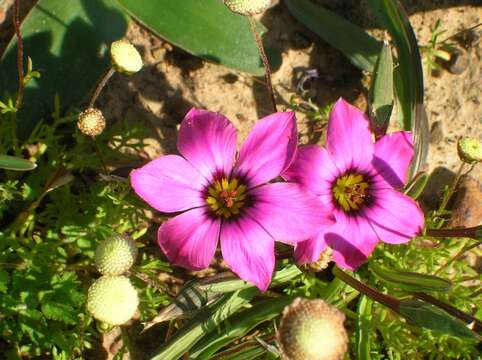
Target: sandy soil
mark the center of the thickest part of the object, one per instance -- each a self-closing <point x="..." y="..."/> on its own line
<point x="174" y="81"/>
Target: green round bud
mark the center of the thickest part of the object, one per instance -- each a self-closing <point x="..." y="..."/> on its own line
<point x="112" y="299"/>
<point x="312" y="330"/>
<point x="247" y="7"/>
<point x="125" y="57"/>
<point x="115" y="255"/>
<point x="91" y="122"/>
<point x="470" y="150"/>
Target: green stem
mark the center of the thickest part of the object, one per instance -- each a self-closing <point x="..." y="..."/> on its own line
<point x="451" y="191"/>
<point x="101" y="158"/>
<point x="456" y="256"/>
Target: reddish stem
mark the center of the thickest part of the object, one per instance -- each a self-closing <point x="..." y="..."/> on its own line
<point x="16" y="25"/>
<point x="472" y="232"/>
<point x="389" y="301"/>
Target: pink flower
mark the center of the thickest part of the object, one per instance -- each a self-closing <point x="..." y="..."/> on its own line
<point x="358" y="180"/>
<point x="225" y="198"/>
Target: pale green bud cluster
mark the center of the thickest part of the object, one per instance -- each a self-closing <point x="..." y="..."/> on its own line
<point x="115" y="255"/>
<point x="247" y="7"/>
<point x="112" y="300"/>
<point x="312" y="330"/>
<point x="469" y="150"/>
<point x="125" y="57"/>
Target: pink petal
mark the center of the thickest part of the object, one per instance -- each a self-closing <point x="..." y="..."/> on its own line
<point x="248" y="250"/>
<point x="190" y="239"/>
<point x="393" y="154"/>
<point x="288" y="212"/>
<point x="269" y="149"/>
<point x="349" y="140"/>
<point x="313" y="169"/>
<point x="395" y="217"/>
<point x="352" y="240"/>
<point x="169" y="184"/>
<point x="208" y="141"/>
<point x="310" y="250"/>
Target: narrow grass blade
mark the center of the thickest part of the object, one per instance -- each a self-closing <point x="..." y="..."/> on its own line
<point x="359" y="47"/>
<point x="287" y="273"/>
<point x="240" y="326"/>
<point x="206" y="321"/>
<point x="408" y="75"/>
<point x="363" y="328"/>
<point x="416" y="186"/>
<point x="381" y="92"/>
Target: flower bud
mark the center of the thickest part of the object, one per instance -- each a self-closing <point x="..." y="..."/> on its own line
<point x="115" y="255"/>
<point x="124" y="57"/>
<point x="91" y="122"/>
<point x="112" y="299"/>
<point x="312" y="330"/>
<point x="322" y="263"/>
<point x="470" y="150"/>
<point x="247" y="7"/>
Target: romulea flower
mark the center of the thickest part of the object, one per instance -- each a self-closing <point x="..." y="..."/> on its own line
<point x="357" y="179"/>
<point x="227" y="197"/>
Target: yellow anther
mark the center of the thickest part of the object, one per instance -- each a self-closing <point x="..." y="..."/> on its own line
<point x="350" y="191"/>
<point x="226" y="197"/>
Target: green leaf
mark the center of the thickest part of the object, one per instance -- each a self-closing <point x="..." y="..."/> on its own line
<point x="287" y="273"/>
<point x="410" y="281"/>
<point x="363" y="328"/>
<point x="68" y="42"/>
<point x="15" y="163"/>
<point x="416" y="186"/>
<point x="240" y="326"/>
<point x="245" y="352"/>
<point x="381" y="91"/>
<point x="205" y="322"/>
<point x="4" y="279"/>
<point x="430" y="317"/>
<point x="59" y="311"/>
<point x="359" y="47"/>
<point x="205" y="28"/>
<point x="408" y="75"/>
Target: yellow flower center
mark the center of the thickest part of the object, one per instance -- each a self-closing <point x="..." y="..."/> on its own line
<point x="226" y="197"/>
<point x="350" y="191"/>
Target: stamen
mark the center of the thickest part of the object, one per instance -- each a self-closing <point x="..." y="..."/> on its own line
<point x="350" y="191"/>
<point x="226" y="197"/>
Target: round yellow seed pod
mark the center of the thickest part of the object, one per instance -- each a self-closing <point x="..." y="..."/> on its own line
<point x="91" y="122"/>
<point x="312" y="330"/>
<point x="469" y="150"/>
<point x="247" y="7"/>
<point x="125" y="58"/>
<point x="112" y="299"/>
<point x="115" y="255"/>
